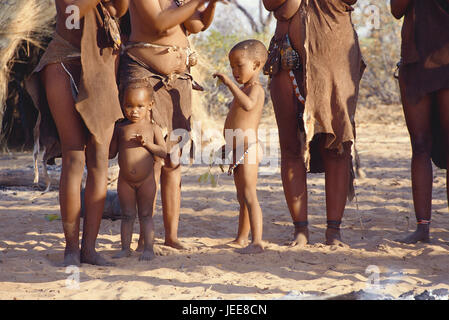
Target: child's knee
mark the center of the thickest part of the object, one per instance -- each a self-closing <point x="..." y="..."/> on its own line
<point x="128" y="214"/>
<point x="146" y="216"/>
<point x="250" y="197"/>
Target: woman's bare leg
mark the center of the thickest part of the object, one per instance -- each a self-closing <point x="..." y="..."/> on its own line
<point x="336" y="168"/>
<point x="418" y="120"/>
<point x="72" y="135"/>
<point x="293" y="170"/>
<point x="95" y="196"/>
<point x="171" y="202"/>
<point x="443" y="109"/>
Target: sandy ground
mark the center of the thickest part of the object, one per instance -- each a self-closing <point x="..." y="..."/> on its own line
<point x="31" y="247"/>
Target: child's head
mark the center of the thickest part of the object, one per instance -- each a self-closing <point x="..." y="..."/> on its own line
<point x="247" y="58"/>
<point x="137" y="101"/>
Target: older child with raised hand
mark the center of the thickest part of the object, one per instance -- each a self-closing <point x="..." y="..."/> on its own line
<point x="137" y="140"/>
<point x="247" y="59"/>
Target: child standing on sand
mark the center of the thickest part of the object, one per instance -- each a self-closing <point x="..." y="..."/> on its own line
<point x="247" y="59"/>
<point x="137" y="140"/>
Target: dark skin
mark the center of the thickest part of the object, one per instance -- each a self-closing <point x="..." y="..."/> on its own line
<point x="418" y="120"/>
<point x="79" y="148"/>
<point x="137" y="141"/>
<point x="244" y="114"/>
<point x="163" y="22"/>
<point x="293" y="170"/>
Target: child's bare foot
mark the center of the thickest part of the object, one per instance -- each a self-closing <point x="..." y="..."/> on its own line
<point x="420" y="235"/>
<point x="251" y="249"/>
<point x="176" y="244"/>
<point x="95" y="258"/>
<point x="333" y="238"/>
<point x="147" y="255"/>
<point x="140" y="246"/>
<point x="71" y="258"/>
<point x="122" y="254"/>
<point x="301" y="236"/>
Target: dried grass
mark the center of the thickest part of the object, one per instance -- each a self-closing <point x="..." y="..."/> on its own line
<point x="21" y="21"/>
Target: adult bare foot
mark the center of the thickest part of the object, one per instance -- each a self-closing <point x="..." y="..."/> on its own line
<point x="71" y="258"/>
<point x="333" y="238"/>
<point x="301" y="235"/>
<point x="147" y="255"/>
<point x="422" y="234"/>
<point x="122" y="254"/>
<point x="251" y="249"/>
<point x="95" y="258"/>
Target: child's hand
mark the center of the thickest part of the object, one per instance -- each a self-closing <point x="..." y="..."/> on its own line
<point x="222" y="77"/>
<point x="140" y="139"/>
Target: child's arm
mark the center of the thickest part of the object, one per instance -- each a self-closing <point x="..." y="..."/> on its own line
<point x="247" y="102"/>
<point x="117" y="8"/>
<point x="157" y="146"/>
<point x="202" y="19"/>
<point x="399" y="7"/>
<point x="160" y="142"/>
<point x="287" y="10"/>
<point x="113" y="147"/>
<point x="162" y="20"/>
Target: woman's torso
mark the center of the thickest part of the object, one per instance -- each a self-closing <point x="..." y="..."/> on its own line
<point x="159" y="59"/>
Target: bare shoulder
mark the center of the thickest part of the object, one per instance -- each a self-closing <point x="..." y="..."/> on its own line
<point x="257" y="92"/>
<point x="122" y="125"/>
<point x="257" y="89"/>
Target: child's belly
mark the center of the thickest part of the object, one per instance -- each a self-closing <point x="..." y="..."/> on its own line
<point x="241" y="124"/>
<point x="136" y="164"/>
